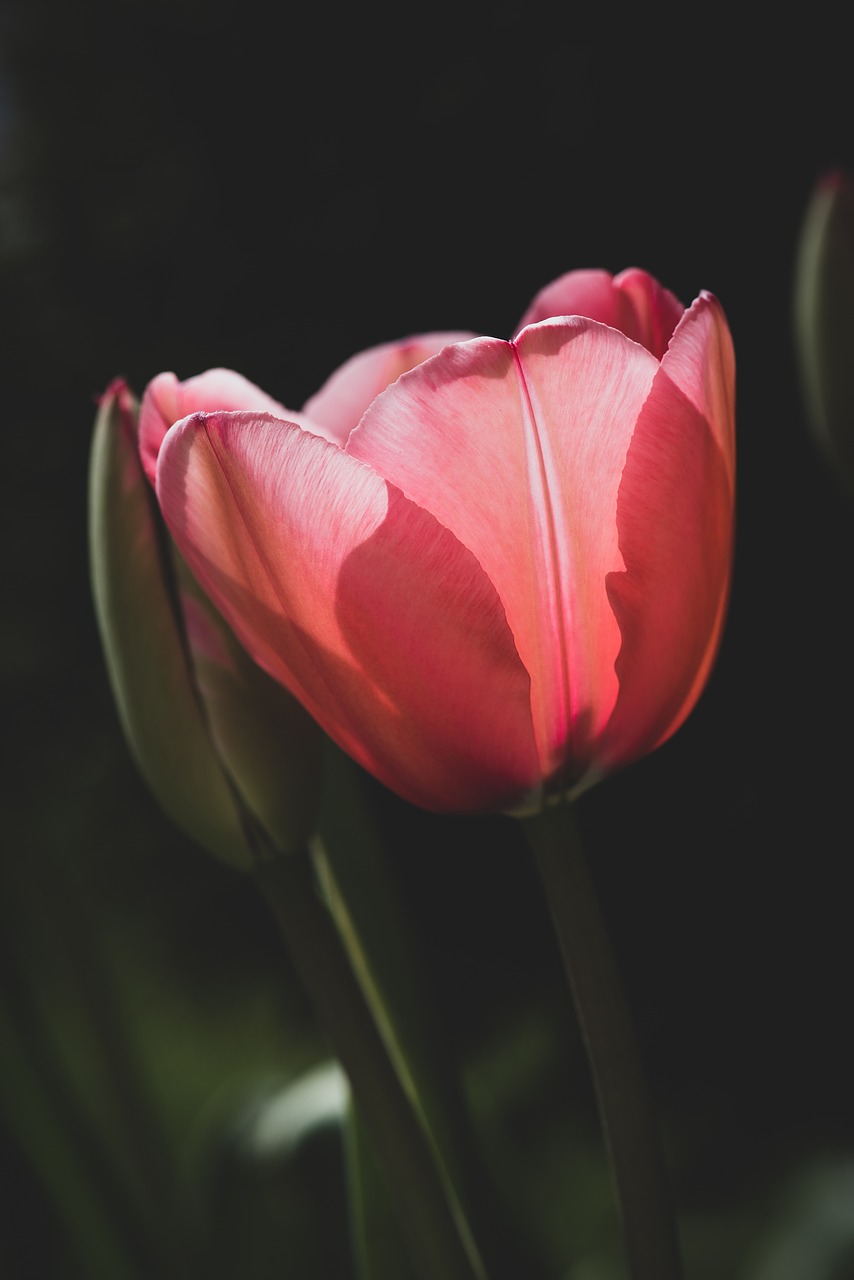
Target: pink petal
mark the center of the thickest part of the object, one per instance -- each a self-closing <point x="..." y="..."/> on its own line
<point x="588" y="293"/>
<point x="371" y="613"/>
<point x="344" y="397"/>
<point x="518" y="448"/>
<point x="701" y="362"/>
<point x="655" y="310"/>
<point x="166" y="401"/>
<point x="633" y="302"/>
<point x="675" y="519"/>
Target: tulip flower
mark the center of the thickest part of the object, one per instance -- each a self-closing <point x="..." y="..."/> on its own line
<point x="824" y="318"/>
<point x="223" y="747"/>
<point x="506" y="574"/>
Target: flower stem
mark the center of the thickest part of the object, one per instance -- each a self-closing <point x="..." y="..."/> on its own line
<point x="357" y="875"/>
<point x="436" y="1236"/>
<point x="631" y="1137"/>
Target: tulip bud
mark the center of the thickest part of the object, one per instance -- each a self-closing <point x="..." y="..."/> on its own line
<point x="222" y="746"/>
<point x="824" y="318"/>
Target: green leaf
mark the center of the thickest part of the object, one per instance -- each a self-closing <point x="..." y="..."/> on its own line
<point x="145" y="652"/>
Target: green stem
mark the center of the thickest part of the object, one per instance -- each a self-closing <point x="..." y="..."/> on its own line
<point x="631" y="1136"/>
<point x="358" y="876"/>
<point x="435" y="1235"/>
<point x="380" y="1251"/>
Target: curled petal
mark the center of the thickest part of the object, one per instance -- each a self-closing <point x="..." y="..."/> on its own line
<point x="655" y="312"/>
<point x="701" y="362"/>
<point x="167" y="400"/>
<point x="633" y="302"/>
<point x="344" y="397"/>
<point x="382" y="624"/>
<point x="588" y="293"/>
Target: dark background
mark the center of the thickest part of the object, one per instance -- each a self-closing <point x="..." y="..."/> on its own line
<point x="188" y="185"/>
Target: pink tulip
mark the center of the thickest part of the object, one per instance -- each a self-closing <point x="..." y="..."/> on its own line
<point x="510" y="578"/>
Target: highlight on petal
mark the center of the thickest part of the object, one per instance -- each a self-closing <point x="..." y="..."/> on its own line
<point x="518" y="449"/>
<point x="359" y="601"/>
<point x="346" y="394"/>
<point x="633" y="302"/>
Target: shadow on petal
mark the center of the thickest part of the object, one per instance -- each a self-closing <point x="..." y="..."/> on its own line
<point x="675" y="519"/>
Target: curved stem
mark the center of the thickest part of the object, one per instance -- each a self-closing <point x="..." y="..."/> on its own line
<point x="631" y="1136"/>
<point x="437" y="1239"/>
<point x="357" y="875"/>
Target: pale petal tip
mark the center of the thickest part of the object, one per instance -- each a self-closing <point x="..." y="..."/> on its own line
<point x="117" y="389"/>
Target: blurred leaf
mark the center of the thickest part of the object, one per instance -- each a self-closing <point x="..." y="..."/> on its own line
<point x="102" y="1227"/>
<point x="271" y="1175"/>
<point x="812" y="1231"/>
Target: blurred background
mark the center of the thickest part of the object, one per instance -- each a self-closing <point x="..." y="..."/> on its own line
<point x="188" y="184"/>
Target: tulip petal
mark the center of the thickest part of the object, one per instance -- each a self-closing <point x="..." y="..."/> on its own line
<point x="588" y="293"/>
<point x="633" y="302"/>
<point x="166" y="400"/>
<point x="675" y="520"/>
<point x="346" y="394"/>
<point x="701" y="362"/>
<point x="534" y="434"/>
<point x="372" y="614"/>
<point x="655" y="310"/>
<point x="145" y="653"/>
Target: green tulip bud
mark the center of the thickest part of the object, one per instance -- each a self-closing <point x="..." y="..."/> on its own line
<point x="230" y="756"/>
<point x="824" y="318"/>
